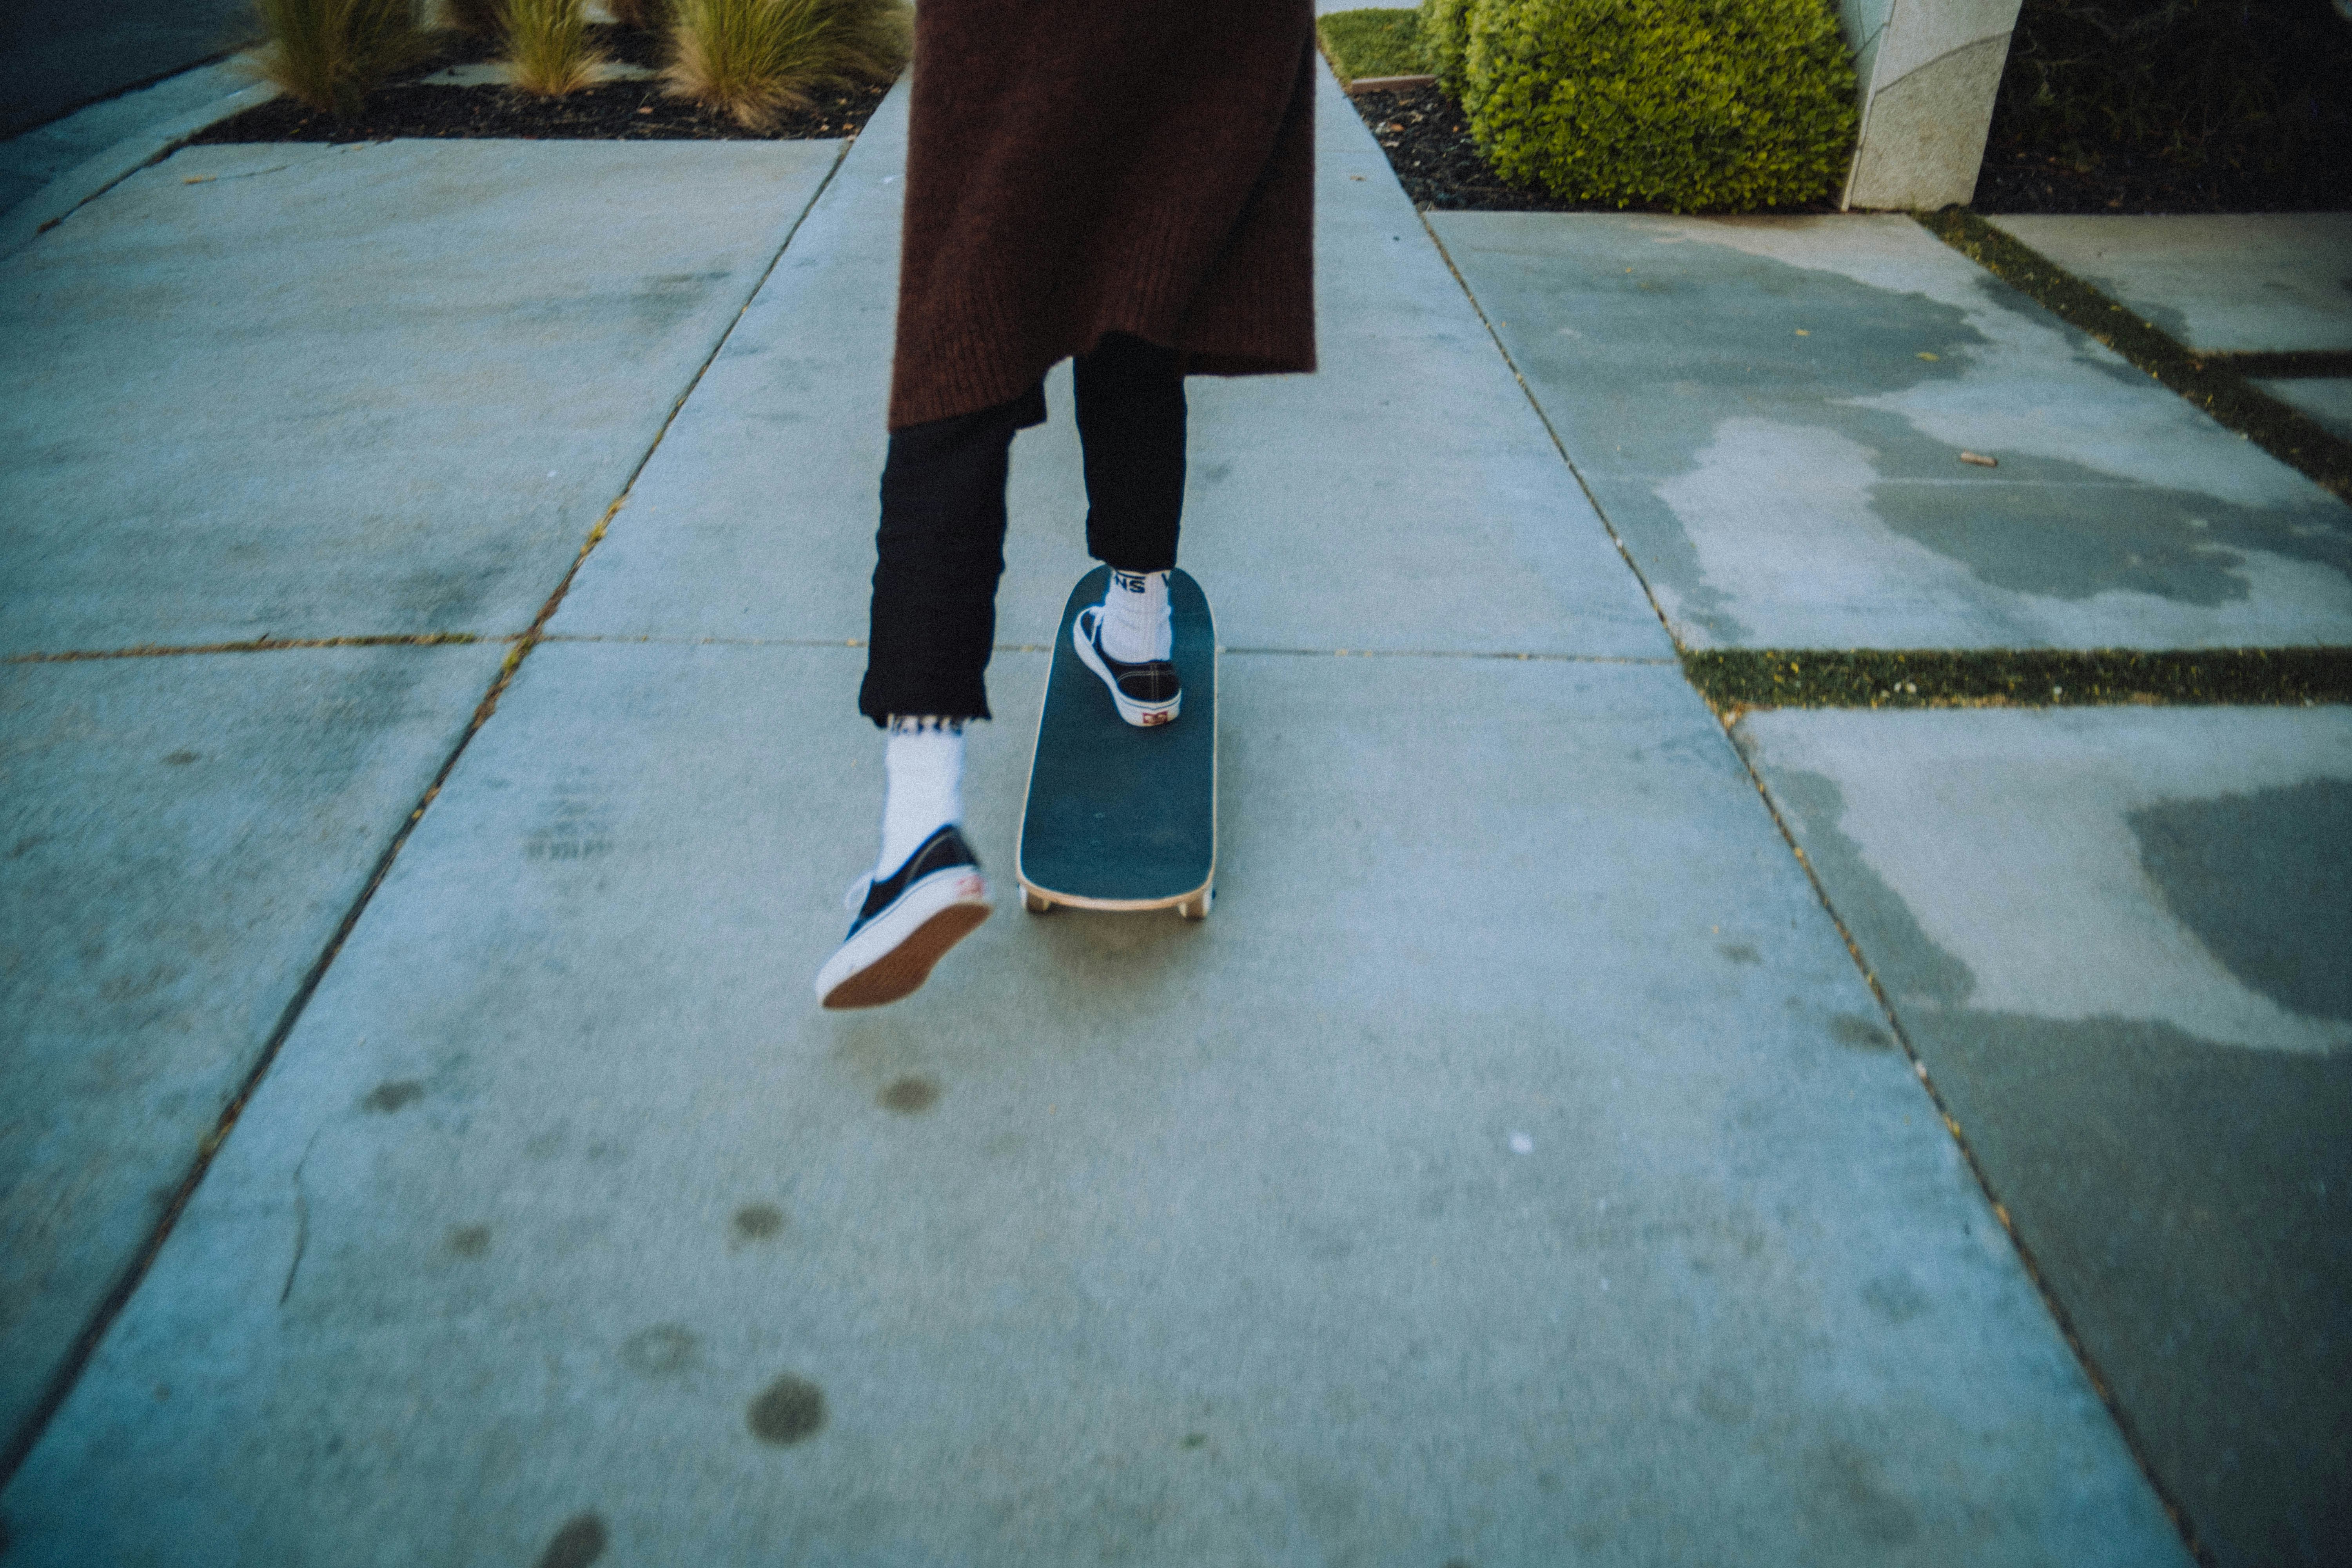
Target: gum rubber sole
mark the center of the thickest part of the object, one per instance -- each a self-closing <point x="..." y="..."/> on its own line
<point x="904" y="968"/>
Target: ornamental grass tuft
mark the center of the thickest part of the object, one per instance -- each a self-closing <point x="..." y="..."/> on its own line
<point x="1690" y="105"/>
<point x="548" y="53"/>
<point x="755" y="59"/>
<point x="329" y="53"/>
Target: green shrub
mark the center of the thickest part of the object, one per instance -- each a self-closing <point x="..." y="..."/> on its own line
<point x="1444" y="36"/>
<point x="548" y="53"/>
<point x="755" y="59"/>
<point x="329" y="53"/>
<point x="1690" y="105"/>
<point x="1372" y="43"/>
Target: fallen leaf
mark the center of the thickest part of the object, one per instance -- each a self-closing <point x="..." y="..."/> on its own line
<point x="1979" y="460"/>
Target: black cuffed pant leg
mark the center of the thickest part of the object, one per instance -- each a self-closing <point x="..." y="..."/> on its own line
<point x="1130" y="396"/>
<point x="940" y="549"/>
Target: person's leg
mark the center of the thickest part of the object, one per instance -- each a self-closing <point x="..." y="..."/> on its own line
<point x="1130" y="412"/>
<point x="932" y="621"/>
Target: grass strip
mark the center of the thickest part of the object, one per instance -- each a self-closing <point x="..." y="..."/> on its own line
<point x="2290" y="365"/>
<point x="1736" y="678"/>
<point x="2216" y="383"/>
<point x="1372" y="44"/>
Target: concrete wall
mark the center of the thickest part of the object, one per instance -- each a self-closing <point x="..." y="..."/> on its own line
<point x="1928" y="71"/>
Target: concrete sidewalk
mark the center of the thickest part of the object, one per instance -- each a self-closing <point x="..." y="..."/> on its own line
<point x="1514" y="1166"/>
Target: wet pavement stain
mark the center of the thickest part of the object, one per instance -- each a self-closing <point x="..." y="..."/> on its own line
<point x="392" y="1094"/>
<point x="469" y="1240"/>
<point x="910" y="1096"/>
<point x="579" y="1542"/>
<point x="1740" y="952"/>
<point x="788" y="1411"/>
<point x="662" y="1351"/>
<point x="758" y="1222"/>
<point x="2265" y="880"/>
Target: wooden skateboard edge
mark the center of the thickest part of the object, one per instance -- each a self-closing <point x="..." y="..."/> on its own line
<point x="1114" y="906"/>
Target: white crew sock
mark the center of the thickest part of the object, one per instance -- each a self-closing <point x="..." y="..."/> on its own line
<point x="924" y="760"/>
<point x="1136" y="627"/>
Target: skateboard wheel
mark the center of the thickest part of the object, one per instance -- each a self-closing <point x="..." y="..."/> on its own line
<point x="1197" y="909"/>
<point x="1036" y="903"/>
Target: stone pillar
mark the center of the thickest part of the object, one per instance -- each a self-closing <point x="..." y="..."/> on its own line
<point x="1928" y="71"/>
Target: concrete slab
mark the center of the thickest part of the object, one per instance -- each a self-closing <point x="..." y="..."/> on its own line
<point x="1771" y="413"/>
<point x="1413" y="457"/>
<point x="305" y="391"/>
<point x="2242" y="282"/>
<point x="1471" y="1181"/>
<point x="2116" y="938"/>
<point x="182" y="837"/>
<point x="2327" y="400"/>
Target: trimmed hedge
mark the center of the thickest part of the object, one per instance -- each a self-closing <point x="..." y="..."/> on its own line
<point x="1690" y="105"/>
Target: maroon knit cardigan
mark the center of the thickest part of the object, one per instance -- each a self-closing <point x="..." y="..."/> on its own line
<point x="1078" y="167"/>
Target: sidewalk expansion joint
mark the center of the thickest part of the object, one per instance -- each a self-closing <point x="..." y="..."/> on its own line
<point x="20" y="1443"/>
<point x="260" y="644"/>
<point x="2222" y="384"/>
<point x="1736" y="679"/>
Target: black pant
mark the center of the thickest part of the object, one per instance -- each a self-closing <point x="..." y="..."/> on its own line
<point x="941" y="545"/>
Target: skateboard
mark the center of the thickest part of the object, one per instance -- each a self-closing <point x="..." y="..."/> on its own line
<point x="1120" y="818"/>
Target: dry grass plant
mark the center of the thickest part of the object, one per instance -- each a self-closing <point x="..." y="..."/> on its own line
<point x="329" y="53"/>
<point x="755" y="59"/>
<point x="548" y="53"/>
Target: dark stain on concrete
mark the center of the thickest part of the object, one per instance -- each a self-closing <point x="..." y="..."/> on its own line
<point x="663" y="1351"/>
<point x="1906" y="961"/>
<point x="469" y="1240"/>
<point x="2265" y="880"/>
<point x="789" y="1410"/>
<point x="759" y="1222"/>
<point x="181" y="759"/>
<point x="1861" y="1033"/>
<point x="909" y="1096"/>
<point x="1849" y="1496"/>
<point x="1196" y="1439"/>
<point x="1740" y="952"/>
<point x="1895" y="1298"/>
<point x="2060" y="530"/>
<point x="578" y="1543"/>
<point x="2190" y="1205"/>
<point x="392" y="1095"/>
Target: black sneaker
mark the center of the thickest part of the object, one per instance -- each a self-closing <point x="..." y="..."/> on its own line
<point x="906" y="925"/>
<point x="1146" y="694"/>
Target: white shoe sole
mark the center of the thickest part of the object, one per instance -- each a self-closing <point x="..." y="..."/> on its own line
<point x="892" y="954"/>
<point x="1142" y="715"/>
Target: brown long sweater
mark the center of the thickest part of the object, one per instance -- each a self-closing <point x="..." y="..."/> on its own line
<point x="1078" y="167"/>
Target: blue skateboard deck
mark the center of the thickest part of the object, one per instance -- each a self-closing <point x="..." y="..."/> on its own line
<point x="1120" y="818"/>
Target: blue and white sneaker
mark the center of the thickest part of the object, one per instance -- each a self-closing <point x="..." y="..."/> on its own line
<point x="1146" y="694"/>
<point x="906" y="925"/>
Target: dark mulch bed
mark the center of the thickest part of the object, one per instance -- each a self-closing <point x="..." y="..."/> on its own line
<point x="617" y="111"/>
<point x="1429" y="145"/>
<point x="2021" y="177"/>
